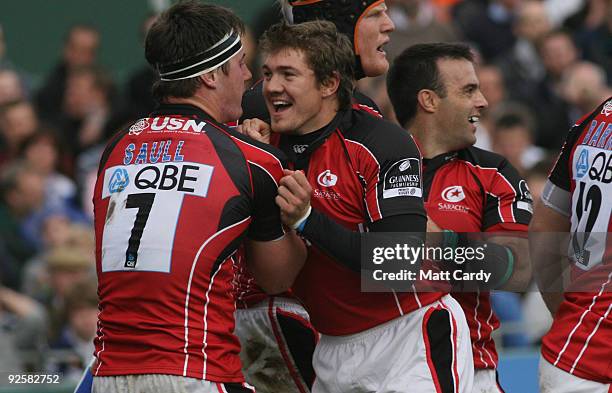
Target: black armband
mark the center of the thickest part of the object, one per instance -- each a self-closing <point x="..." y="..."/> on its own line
<point x="339" y="242"/>
<point x="492" y="258"/>
<point x="344" y="245"/>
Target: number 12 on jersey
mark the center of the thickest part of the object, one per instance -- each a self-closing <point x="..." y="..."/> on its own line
<point x="143" y="212"/>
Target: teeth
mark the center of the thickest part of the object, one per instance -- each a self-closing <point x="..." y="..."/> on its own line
<point x="278" y="103"/>
<point x="474" y="119"/>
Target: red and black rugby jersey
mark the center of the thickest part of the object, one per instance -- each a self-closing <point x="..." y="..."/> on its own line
<point x="362" y="169"/>
<point x="473" y="190"/>
<point x="175" y="195"/>
<point x="580" y="339"/>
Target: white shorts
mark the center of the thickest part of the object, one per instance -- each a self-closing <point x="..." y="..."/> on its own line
<point x="485" y="381"/>
<point x="161" y="383"/>
<point x="553" y="379"/>
<point x="277" y="342"/>
<point x="428" y="350"/>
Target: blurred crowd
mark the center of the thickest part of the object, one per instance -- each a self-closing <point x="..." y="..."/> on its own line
<point x="542" y="65"/>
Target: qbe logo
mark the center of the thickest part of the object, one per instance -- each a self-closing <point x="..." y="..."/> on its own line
<point x="118" y="181"/>
<point x="327" y="179"/>
<point x="582" y="164"/>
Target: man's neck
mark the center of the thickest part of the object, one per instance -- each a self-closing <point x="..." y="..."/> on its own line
<point x="426" y="135"/>
<point x="321" y="119"/>
<point x="207" y="106"/>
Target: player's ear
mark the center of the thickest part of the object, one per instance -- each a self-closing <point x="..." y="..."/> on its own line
<point x="428" y="100"/>
<point x="330" y="85"/>
<point x="209" y="79"/>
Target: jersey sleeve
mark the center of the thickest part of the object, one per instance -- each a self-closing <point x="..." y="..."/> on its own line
<point x="391" y="169"/>
<point x="266" y="164"/>
<point x="266" y="223"/>
<point x="509" y="205"/>
<point x="560" y="173"/>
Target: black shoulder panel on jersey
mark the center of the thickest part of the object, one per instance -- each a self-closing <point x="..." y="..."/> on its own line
<point x="110" y="146"/>
<point x="396" y="160"/>
<point x="263" y="146"/>
<point x="507" y="186"/>
<point x="266" y="224"/>
<point x="233" y="159"/>
<point x="481" y="157"/>
<point x="378" y="134"/>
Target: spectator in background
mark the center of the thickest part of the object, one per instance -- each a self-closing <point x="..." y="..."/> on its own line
<point x="22" y="193"/>
<point x="493" y="88"/>
<point x="78" y="330"/>
<point x="87" y="107"/>
<point x="140" y="99"/>
<point x="415" y="22"/>
<point x="4" y="63"/>
<point x="595" y="35"/>
<point x="584" y="87"/>
<point x="22" y="332"/>
<point x="66" y="265"/>
<point x="488" y="24"/>
<point x="11" y="88"/>
<point x="521" y="65"/>
<point x="80" y="49"/>
<point x="42" y="151"/>
<point x="58" y="233"/>
<point x="512" y="137"/>
<point x="558" y="53"/>
<point x="18" y="121"/>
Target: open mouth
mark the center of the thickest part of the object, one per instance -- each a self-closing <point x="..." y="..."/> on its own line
<point x="474" y="119"/>
<point x="281" y="105"/>
<point x="381" y="48"/>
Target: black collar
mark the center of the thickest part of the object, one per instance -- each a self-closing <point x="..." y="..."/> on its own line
<point x="301" y="161"/>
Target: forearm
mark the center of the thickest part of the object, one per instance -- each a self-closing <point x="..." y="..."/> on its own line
<point x="276" y="264"/>
<point x="344" y="245"/>
<point x="548" y="236"/>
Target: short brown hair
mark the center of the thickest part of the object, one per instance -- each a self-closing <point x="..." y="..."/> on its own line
<point x="326" y="50"/>
<point x="184" y="30"/>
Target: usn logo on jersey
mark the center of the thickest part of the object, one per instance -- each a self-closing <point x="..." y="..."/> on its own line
<point x="167" y="124"/>
<point x="403" y="178"/>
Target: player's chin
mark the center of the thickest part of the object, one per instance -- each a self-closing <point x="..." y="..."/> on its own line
<point x="376" y="68"/>
<point x="280" y="127"/>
